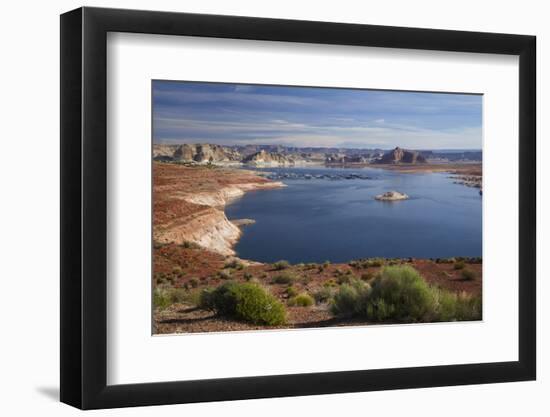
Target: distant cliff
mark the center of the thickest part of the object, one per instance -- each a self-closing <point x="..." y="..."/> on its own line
<point x="201" y="153"/>
<point x="269" y="158"/>
<point x="402" y="156"/>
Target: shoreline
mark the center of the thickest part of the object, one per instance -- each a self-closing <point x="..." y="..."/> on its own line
<point x="197" y="214"/>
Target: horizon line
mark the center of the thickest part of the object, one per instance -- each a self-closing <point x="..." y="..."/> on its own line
<point x="368" y="147"/>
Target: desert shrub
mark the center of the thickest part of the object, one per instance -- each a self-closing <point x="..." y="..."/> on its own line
<point x="224" y="274"/>
<point x="337" y="272"/>
<point x="445" y="260"/>
<point x="301" y="300"/>
<point x="323" y="295"/>
<point x="306" y="279"/>
<point x="346" y="279"/>
<point x="366" y="276"/>
<point x="291" y="291"/>
<point x="458" y="307"/>
<point x="160" y="278"/>
<point x="400" y="293"/>
<point x="350" y="297"/>
<point x="247" y="276"/>
<point x="234" y="264"/>
<point x="245" y="301"/>
<point x="160" y="299"/>
<point x="374" y="262"/>
<point x="164" y="297"/>
<point x="458" y="265"/>
<point x="190" y="245"/>
<point x="280" y="265"/>
<point x="468" y="275"/>
<point x="284" y="278"/>
<point x="177" y="271"/>
<point x="194" y="282"/>
<point x="468" y="307"/>
<point x="330" y="283"/>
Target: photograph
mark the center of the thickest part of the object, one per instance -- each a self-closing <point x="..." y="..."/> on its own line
<point x="292" y="207"/>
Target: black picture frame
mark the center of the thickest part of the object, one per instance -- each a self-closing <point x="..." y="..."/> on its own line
<point x="84" y="207"/>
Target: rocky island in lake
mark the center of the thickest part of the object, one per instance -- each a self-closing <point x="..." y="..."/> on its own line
<point x="391" y="196"/>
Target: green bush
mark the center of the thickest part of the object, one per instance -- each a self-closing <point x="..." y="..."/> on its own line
<point x="161" y="299"/>
<point x="324" y="295"/>
<point x="375" y="262"/>
<point x="165" y="297"/>
<point x="190" y="245"/>
<point x="468" y="275"/>
<point x="224" y="274"/>
<point x="280" y="265"/>
<point x="445" y="260"/>
<point x="330" y="283"/>
<point x="366" y="276"/>
<point x="245" y="301"/>
<point x="194" y="282"/>
<point x="291" y="291"/>
<point x="346" y="279"/>
<point x="400" y="293"/>
<point x="247" y="276"/>
<point x="301" y="300"/>
<point x="234" y="264"/>
<point x="458" y="307"/>
<point x="337" y="272"/>
<point x="284" y="278"/>
<point x="177" y="271"/>
<point x="350" y="298"/>
<point x="459" y="265"/>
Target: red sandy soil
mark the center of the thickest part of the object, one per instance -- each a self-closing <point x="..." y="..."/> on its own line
<point x="197" y="268"/>
<point x="171" y="182"/>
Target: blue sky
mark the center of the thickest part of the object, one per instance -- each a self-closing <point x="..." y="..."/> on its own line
<point x="239" y="114"/>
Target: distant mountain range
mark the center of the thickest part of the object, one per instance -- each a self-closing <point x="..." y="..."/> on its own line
<point x="279" y="155"/>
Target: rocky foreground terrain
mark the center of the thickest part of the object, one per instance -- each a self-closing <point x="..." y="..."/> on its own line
<point x="193" y="255"/>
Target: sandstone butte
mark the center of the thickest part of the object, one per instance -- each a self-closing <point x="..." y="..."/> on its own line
<point x="189" y="204"/>
<point x="392" y="196"/>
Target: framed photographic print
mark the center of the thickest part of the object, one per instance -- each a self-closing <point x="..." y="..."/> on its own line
<point x="257" y="208"/>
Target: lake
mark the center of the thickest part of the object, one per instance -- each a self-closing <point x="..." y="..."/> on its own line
<point x="321" y="215"/>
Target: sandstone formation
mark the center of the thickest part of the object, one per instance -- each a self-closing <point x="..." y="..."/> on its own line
<point x="391" y="196"/>
<point x="264" y="158"/>
<point x="401" y="156"/>
<point x="189" y="204"/>
<point x="199" y="153"/>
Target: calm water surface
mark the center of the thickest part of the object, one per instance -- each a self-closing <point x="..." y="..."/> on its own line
<point x="313" y="220"/>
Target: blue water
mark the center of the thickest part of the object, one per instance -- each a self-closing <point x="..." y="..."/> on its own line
<point x="313" y="220"/>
